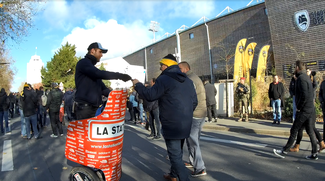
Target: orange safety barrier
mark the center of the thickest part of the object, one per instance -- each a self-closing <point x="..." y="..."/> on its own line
<point x="97" y="142"/>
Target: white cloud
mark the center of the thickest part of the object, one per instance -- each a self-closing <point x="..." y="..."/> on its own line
<point x="191" y="9"/>
<point x="117" y="38"/>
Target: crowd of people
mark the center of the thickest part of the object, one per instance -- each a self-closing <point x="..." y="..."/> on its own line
<point x="33" y="106"/>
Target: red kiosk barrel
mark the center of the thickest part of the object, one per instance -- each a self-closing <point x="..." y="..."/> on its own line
<point x="97" y="142"/>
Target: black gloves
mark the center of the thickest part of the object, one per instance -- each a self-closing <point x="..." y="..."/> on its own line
<point x="125" y="77"/>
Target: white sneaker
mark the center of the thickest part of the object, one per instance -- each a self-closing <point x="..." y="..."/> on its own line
<point x="53" y="136"/>
<point x="279" y="153"/>
<point x="61" y="134"/>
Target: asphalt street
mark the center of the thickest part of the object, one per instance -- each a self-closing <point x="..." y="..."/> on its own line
<point x="227" y="155"/>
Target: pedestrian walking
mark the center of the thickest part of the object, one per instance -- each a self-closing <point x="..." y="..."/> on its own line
<point x="30" y="102"/>
<point x="276" y="96"/>
<point x="211" y="102"/>
<point x="199" y="114"/>
<point x="322" y="101"/>
<point x="242" y="91"/>
<point x="314" y="82"/>
<point x="305" y="112"/>
<point x="292" y="91"/>
<point x="68" y="101"/>
<point x="89" y="84"/>
<point x="54" y="101"/>
<point x="177" y="100"/>
<point x="4" y="106"/>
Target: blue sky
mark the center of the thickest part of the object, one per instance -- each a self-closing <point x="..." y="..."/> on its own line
<point x="120" y="26"/>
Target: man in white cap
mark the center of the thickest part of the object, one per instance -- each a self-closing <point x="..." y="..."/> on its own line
<point x="89" y="84"/>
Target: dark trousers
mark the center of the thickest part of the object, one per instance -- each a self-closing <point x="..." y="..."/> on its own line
<point x="85" y="112"/>
<point x="55" y="123"/>
<point x="155" y="122"/>
<point x="303" y="120"/>
<point x="134" y="112"/>
<point x="323" y="108"/>
<point x="68" y="112"/>
<point x="212" y="112"/>
<point x="42" y="115"/>
<point x="175" y="154"/>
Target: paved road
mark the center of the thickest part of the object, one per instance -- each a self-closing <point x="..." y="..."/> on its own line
<point x="228" y="156"/>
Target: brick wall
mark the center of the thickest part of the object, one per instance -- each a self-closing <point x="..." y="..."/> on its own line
<point x="284" y="31"/>
<point x="251" y="23"/>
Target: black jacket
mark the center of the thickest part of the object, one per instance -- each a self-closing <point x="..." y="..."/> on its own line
<point x="54" y="100"/>
<point x="3" y="100"/>
<point x="321" y="96"/>
<point x="292" y="87"/>
<point x="89" y="84"/>
<point x="29" y="102"/>
<point x="210" y="92"/>
<point x="68" y="98"/>
<point x="276" y="90"/>
<point x="177" y="100"/>
<point x="304" y="93"/>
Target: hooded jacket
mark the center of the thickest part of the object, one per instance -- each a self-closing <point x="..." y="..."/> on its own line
<point x="211" y="93"/>
<point x="29" y="102"/>
<point x="3" y="100"/>
<point x="177" y="100"/>
<point x="304" y="93"/>
<point x="54" y="100"/>
<point x="89" y="84"/>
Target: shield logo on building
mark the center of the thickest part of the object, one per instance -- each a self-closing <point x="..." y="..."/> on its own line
<point x="302" y="20"/>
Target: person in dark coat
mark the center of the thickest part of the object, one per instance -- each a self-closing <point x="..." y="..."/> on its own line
<point x="314" y="82"/>
<point x="4" y="105"/>
<point x="292" y="91"/>
<point x="177" y="100"/>
<point x="12" y="101"/>
<point x="29" y="103"/>
<point x="211" y="92"/>
<point x="89" y="84"/>
<point x="276" y="96"/>
<point x="54" y="101"/>
<point x="68" y="101"/>
<point x="305" y="115"/>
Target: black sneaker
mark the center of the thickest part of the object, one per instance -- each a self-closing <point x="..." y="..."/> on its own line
<point x="312" y="157"/>
<point x="274" y="122"/>
<point x="280" y="153"/>
<point x="150" y="136"/>
<point x="156" y="138"/>
<point x="278" y="122"/>
<point x="198" y="174"/>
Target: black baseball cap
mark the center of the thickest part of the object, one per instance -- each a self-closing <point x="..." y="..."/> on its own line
<point x="97" y="45"/>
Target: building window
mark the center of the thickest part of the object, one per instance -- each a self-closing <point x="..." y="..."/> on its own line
<point x="191" y="35"/>
<point x="265" y="10"/>
<point x="151" y="51"/>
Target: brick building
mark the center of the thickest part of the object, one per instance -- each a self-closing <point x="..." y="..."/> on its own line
<point x="274" y="23"/>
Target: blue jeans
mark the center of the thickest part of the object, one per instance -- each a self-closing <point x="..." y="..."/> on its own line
<point x="193" y="145"/>
<point x="4" y="114"/>
<point x="42" y="113"/>
<point x="141" y="113"/>
<point x="276" y="105"/>
<point x="294" y="108"/>
<point x="31" y="121"/>
<point x="175" y="154"/>
<point x="23" y="123"/>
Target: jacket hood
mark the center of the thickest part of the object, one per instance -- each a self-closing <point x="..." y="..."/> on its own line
<point x="2" y="92"/>
<point x="92" y="58"/>
<point x="175" y="73"/>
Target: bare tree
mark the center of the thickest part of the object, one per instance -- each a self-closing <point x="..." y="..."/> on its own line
<point x="6" y="71"/>
<point x="15" y="20"/>
<point x="226" y="53"/>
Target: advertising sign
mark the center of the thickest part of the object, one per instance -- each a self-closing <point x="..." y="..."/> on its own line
<point x="97" y="142"/>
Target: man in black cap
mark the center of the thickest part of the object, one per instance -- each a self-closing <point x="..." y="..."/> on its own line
<point x="177" y="100"/>
<point x="89" y="84"/>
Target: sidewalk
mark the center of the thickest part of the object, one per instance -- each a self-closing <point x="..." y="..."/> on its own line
<point x="263" y="127"/>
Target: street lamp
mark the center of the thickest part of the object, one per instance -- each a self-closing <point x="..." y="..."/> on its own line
<point x="154" y="27"/>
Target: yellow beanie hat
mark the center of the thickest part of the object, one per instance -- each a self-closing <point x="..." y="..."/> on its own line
<point x="26" y="85"/>
<point x="169" y="60"/>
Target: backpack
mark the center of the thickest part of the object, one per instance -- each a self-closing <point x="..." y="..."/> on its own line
<point x="44" y="99"/>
